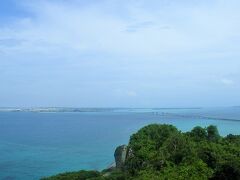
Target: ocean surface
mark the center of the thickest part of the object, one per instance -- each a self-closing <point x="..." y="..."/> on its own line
<point x="34" y="145"/>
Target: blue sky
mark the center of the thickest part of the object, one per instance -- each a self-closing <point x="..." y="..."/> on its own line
<point x="120" y="53"/>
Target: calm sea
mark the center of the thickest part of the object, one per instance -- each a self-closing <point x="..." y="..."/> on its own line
<point x="34" y="145"/>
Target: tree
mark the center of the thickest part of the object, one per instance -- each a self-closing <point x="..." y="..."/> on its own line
<point x="145" y="144"/>
<point x="228" y="171"/>
<point x="196" y="171"/>
<point x="199" y="133"/>
<point x="178" y="149"/>
<point x="212" y="133"/>
<point x="234" y="139"/>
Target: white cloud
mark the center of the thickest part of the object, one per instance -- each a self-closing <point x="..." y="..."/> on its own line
<point x="96" y="27"/>
<point x="131" y="93"/>
<point x="125" y="93"/>
<point x="227" y="81"/>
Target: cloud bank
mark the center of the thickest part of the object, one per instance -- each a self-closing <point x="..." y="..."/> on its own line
<point x="120" y="53"/>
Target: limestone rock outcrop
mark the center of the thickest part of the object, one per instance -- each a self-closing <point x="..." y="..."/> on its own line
<point x="120" y="156"/>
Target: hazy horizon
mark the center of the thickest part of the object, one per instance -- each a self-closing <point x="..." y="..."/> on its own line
<point x="119" y="53"/>
<point x="115" y="107"/>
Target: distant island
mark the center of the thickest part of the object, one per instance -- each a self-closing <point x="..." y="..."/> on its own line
<point x="54" y="109"/>
<point x="69" y="109"/>
<point x="155" y="111"/>
<point x="162" y="152"/>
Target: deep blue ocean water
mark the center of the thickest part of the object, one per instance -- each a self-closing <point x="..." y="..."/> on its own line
<point x="34" y="145"/>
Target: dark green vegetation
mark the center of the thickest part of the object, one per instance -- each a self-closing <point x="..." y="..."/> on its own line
<point x="163" y="152"/>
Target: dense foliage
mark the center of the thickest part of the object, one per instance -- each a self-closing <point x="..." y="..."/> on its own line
<point x="163" y="152"/>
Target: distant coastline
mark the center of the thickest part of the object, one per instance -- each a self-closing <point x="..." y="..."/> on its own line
<point x="69" y="109"/>
<point x="155" y="111"/>
<point x="54" y="109"/>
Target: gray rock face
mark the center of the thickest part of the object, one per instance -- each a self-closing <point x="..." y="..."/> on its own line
<point x="120" y="156"/>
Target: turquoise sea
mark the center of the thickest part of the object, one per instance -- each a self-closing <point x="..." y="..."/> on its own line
<point x="33" y="145"/>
